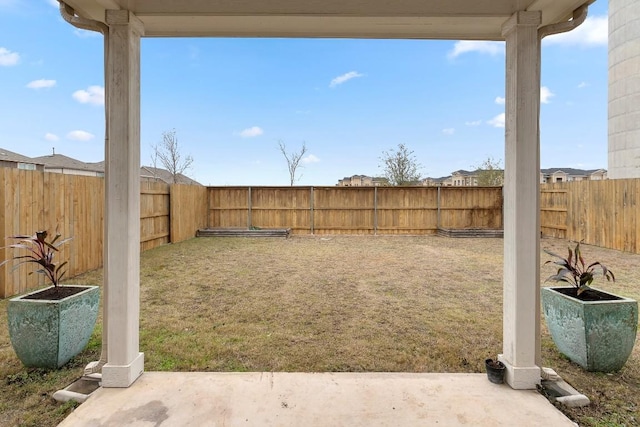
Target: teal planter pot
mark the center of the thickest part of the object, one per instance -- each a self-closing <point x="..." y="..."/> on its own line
<point x="597" y="335"/>
<point x="48" y="333"/>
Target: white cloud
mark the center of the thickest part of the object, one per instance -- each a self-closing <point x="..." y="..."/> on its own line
<point x="51" y="137"/>
<point x="487" y="47"/>
<point x="473" y="123"/>
<point x="310" y="159"/>
<point x="500" y="100"/>
<point x="583" y="85"/>
<point x="594" y="31"/>
<point x="497" y="121"/>
<point x="545" y="95"/>
<point x="54" y="3"/>
<point x="448" y="131"/>
<point x="345" y="77"/>
<point x="94" y="95"/>
<point x="8" y="58"/>
<point x="251" y="132"/>
<point x="40" y="84"/>
<point x="80" y="135"/>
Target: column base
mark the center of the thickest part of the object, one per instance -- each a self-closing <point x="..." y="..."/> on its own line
<point x="521" y="378"/>
<point x="122" y="375"/>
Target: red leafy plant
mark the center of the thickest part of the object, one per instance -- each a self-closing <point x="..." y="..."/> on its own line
<point x="40" y="251"/>
<point x="575" y="271"/>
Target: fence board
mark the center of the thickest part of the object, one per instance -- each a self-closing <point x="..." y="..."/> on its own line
<point x="228" y="207"/>
<point x="471" y="207"/>
<point x="154" y="214"/>
<point x="276" y="207"/>
<point x="601" y="213"/>
<point x="35" y="201"/>
<point x="407" y="210"/>
<point x="188" y="205"/>
<point x="5" y="288"/>
<point x="343" y="210"/>
<point x="553" y="210"/>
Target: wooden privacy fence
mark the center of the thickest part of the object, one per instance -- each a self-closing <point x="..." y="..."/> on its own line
<point x="74" y="205"/>
<point x="33" y="201"/>
<point x="356" y="210"/>
<point x="602" y="213"/>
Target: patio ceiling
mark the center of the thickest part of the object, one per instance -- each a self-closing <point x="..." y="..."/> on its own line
<point x="421" y="19"/>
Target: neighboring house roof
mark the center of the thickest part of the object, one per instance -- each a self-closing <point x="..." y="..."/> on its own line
<point x="164" y="175"/>
<point x="569" y="171"/>
<point x="374" y="179"/>
<point x="441" y="179"/>
<point x="464" y="172"/>
<point x="99" y="166"/>
<point x="59" y="161"/>
<point x="10" y="156"/>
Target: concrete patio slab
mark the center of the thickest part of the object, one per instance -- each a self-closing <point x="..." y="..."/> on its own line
<point x="315" y="399"/>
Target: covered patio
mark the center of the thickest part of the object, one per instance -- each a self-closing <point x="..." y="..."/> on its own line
<point x="520" y="23"/>
<point x="315" y="400"/>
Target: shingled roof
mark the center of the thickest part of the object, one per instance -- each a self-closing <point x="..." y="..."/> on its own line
<point x="10" y="156"/>
<point x="59" y="161"/>
<point x="569" y="171"/>
<point x="149" y="172"/>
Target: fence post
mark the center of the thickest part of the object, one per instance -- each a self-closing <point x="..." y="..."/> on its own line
<point x="172" y="227"/>
<point x="249" y="209"/>
<point x="375" y="211"/>
<point x="438" y="214"/>
<point x="4" y="220"/>
<point x="208" y="210"/>
<point x="311" y="212"/>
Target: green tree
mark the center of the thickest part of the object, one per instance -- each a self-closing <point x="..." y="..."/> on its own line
<point x="400" y="166"/>
<point x="490" y="173"/>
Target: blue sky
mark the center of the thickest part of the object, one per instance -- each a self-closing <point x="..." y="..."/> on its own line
<point x="232" y="100"/>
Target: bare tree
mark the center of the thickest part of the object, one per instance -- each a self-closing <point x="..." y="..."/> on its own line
<point x="169" y="154"/>
<point x="400" y="166"/>
<point x="293" y="160"/>
<point x="490" y="173"/>
<point x="154" y="161"/>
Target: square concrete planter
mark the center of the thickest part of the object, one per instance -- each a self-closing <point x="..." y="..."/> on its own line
<point x="597" y="335"/>
<point x="48" y="333"/>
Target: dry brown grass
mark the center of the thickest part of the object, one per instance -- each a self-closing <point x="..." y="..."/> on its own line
<point x="333" y="303"/>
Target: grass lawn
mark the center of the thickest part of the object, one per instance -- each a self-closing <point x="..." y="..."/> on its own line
<point x="404" y="304"/>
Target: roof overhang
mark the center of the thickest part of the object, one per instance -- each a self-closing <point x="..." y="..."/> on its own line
<point x="410" y="19"/>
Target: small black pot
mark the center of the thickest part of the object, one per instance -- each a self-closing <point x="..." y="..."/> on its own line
<point x="495" y="371"/>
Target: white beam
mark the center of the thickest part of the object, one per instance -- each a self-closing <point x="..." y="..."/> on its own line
<point x="521" y="301"/>
<point x="453" y="19"/>
<point x="122" y="193"/>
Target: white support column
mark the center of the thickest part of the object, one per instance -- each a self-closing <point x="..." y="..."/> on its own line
<point x="521" y="300"/>
<point x="122" y="196"/>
